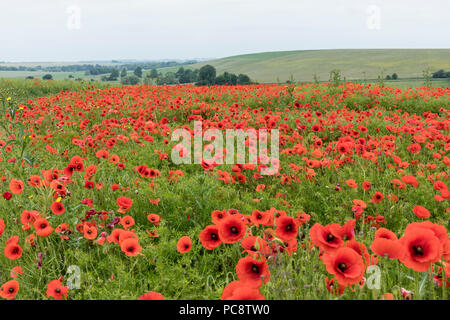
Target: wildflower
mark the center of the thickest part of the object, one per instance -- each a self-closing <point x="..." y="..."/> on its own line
<point x="9" y="289"/>
<point x="152" y="295"/>
<point x="131" y="247"/>
<point x="184" y="244"/>
<point x="252" y="271"/>
<point x="209" y="237"/>
<point x="56" y="290"/>
<point x="16" y="186"/>
<point x="346" y="265"/>
<point x="231" y="229"/>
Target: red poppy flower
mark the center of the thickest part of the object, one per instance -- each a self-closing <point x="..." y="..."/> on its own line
<point x="9" y="289"/>
<point x="57" y="208"/>
<point x="351" y="183"/>
<point x="90" y="232"/>
<point x="411" y="180"/>
<point x="154" y="218"/>
<point x="152" y="295"/>
<point x="422" y="248"/>
<point x="360" y="248"/>
<point x="124" y="204"/>
<point x="184" y="244"/>
<point x="366" y="185"/>
<point x="209" y="237"/>
<point x="346" y="265"/>
<point x="34" y="181"/>
<point x="377" y="197"/>
<point x="252" y="271"/>
<point x="127" y="222"/>
<point x="16" y="271"/>
<point x="392" y="249"/>
<point x="260" y="217"/>
<point x="115" y="235"/>
<point x="421" y="212"/>
<point x="286" y="229"/>
<point x="347" y="231"/>
<point x="218" y="215"/>
<point x="385" y="234"/>
<point x="131" y="247"/>
<point x="2" y="226"/>
<point x="43" y="228"/>
<point x="125" y="234"/>
<point x="327" y="237"/>
<point x="232" y="229"/>
<point x="246" y="293"/>
<point x="56" y="290"/>
<point x="439" y="231"/>
<point x="7" y="195"/>
<point x="13" y="251"/>
<point x="254" y="244"/>
<point x="16" y="186"/>
<point x="237" y="290"/>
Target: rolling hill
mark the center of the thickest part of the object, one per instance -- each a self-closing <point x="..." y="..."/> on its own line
<point x="353" y="63"/>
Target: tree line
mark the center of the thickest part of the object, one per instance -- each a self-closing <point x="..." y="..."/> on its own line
<point x="205" y="76"/>
<point x="441" y="74"/>
<point x="97" y="69"/>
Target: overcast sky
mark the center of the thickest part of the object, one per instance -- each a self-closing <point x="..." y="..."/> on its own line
<point x="76" y="30"/>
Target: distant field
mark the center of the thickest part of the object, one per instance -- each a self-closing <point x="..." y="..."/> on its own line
<point x="353" y="64"/>
<point x="40" y="74"/>
<point x="278" y="67"/>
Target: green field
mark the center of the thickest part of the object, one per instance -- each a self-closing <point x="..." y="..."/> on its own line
<point x="353" y="63"/>
<point x="304" y="66"/>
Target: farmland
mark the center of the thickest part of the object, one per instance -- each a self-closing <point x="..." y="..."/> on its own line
<point x="354" y="64"/>
<point x="95" y="207"/>
<point x="357" y="65"/>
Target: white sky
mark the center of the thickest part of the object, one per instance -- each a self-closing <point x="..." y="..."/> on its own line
<point x="37" y="30"/>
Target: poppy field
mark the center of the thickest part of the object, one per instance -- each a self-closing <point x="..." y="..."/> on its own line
<point x="94" y="207"/>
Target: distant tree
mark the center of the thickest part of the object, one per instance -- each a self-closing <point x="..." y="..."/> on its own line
<point x="138" y="72"/>
<point x="394" y="76"/>
<point x="114" y="75"/>
<point x="147" y="79"/>
<point x="168" y="78"/>
<point x="439" y="74"/>
<point x="388" y="77"/>
<point x="206" y="75"/>
<point x="70" y="76"/>
<point x="29" y="77"/>
<point x="243" y="79"/>
<point x="123" y="73"/>
<point x="188" y="76"/>
<point x="180" y="72"/>
<point x="154" y="73"/>
<point x="220" y="80"/>
<point x="227" y="78"/>
<point x="130" y="80"/>
<point x="48" y="76"/>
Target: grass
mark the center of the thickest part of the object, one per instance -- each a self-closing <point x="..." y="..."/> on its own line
<point x="354" y="63"/>
<point x="24" y="89"/>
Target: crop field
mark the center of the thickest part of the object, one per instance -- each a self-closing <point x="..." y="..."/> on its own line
<point x="96" y="203"/>
<point x="354" y="64"/>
